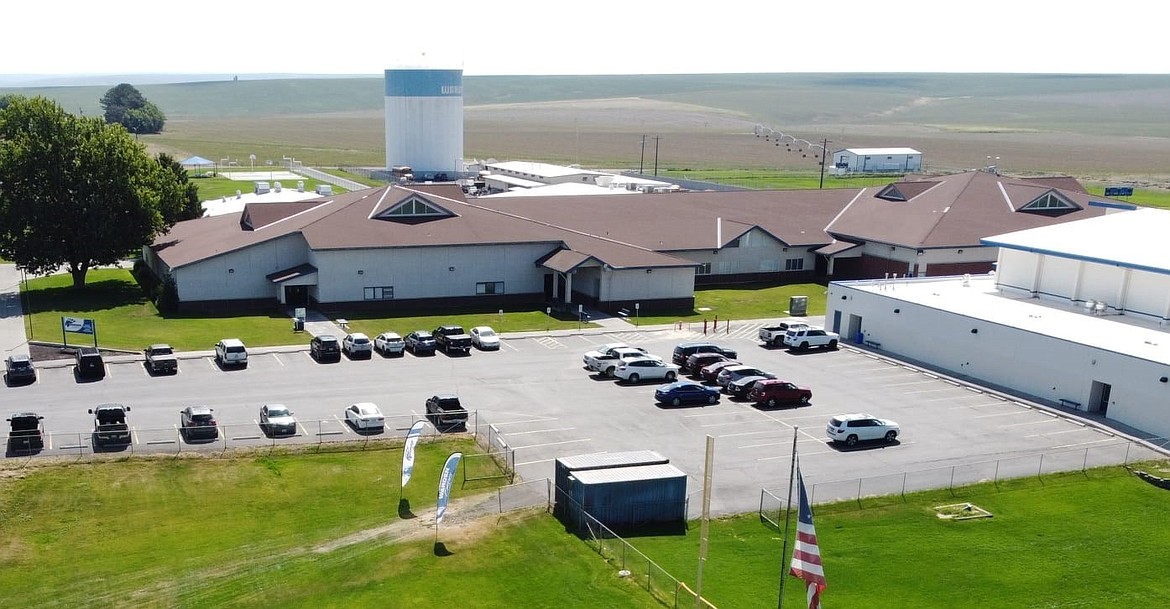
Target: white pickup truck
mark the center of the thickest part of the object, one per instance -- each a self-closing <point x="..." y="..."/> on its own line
<point x="806" y="337"/>
<point x="773" y="335"/>
<point x="608" y="357"/>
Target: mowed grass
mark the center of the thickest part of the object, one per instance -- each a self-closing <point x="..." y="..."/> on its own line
<point x="281" y="530"/>
<point x="1085" y="540"/>
<point x="752" y="301"/>
<point x="126" y="319"/>
<point x="220" y="186"/>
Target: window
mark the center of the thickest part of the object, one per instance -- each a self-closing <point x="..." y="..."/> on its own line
<point x="703" y="269"/>
<point x="734" y="243"/>
<point x="794" y="264"/>
<point x="414" y="207"/>
<point x="378" y="293"/>
<point x="489" y="287"/>
<point x="1049" y="201"/>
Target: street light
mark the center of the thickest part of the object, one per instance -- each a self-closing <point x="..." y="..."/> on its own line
<point x="638" y="314"/>
<point x="252" y="160"/>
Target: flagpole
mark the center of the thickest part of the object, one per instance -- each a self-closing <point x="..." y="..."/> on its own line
<point x="787" y="519"/>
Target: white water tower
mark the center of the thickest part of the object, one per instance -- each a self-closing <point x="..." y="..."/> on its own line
<point x="424" y="120"/>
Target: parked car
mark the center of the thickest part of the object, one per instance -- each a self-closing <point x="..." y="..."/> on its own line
<point x="590" y="358"/>
<point x="420" y="342"/>
<point x="19" y="368"/>
<point x="731" y="373"/>
<point x="325" y="348"/>
<point x="698" y="361"/>
<point x="89" y="364"/>
<point x="771" y="392"/>
<point x="27" y="433"/>
<point x="607" y="362"/>
<point x="110" y="426"/>
<point x="711" y="371"/>
<point x="231" y="352"/>
<point x="773" y="336"/>
<point x="389" y="343"/>
<point x="806" y="337"/>
<point x="484" y="338"/>
<point x="277" y="420"/>
<point x="365" y="416"/>
<point x="740" y="387"/>
<point x="160" y="359"/>
<point x="357" y="345"/>
<point x="445" y="411"/>
<point x="198" y="423"/>
<point x="683" y="352"/>
<point x="452" y="338"/>
<point x="686" y="392"/>
<point x="854" y="428"/>
<point x="646" y="368"/>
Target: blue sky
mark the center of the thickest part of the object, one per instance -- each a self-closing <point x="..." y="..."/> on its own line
<point x="593" y="37"/>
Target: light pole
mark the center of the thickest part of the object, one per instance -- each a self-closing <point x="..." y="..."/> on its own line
<point x="548" y="322"/>
<point x="637" y="314"/>
<point x="252" y="160"/>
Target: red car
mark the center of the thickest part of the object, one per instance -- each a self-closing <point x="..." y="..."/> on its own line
<point x="711" y="371"/>
<point x="770" y="392"/>
<point x="696" y="363"/>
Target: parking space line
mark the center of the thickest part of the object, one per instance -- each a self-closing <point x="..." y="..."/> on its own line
<point x="345" y="429"/>
<point x="1109" y="439"/>
<point x="1002" y="414"/>
<point x="552" y="443"/>
<point x="1052" y="433"/>
<point x="534" y="462"/>
<point x="931" y="390"/>
<point x="520" y="433"/>
<point x="1051" y="420"/>
<point x="276" y="356"/>
<point x="749" y="433"/>
<point x="910" y="383"/>
<point x="530" y="420"/>
<point x="736" y="423"/>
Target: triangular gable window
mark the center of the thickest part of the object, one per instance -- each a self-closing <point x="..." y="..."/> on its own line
<point x="414" y="209"/>
<point x="1049" y="202"/>
<point x="891" y="193"/>
<point x="246" y="220"/>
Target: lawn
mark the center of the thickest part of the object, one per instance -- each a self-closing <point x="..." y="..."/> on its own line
<point x="220" y="186"/>
<point x="1045" y="546"/>
<point x="281" y="530"/>
<point x="126" y="319"/>
<point x="754" y="301"/>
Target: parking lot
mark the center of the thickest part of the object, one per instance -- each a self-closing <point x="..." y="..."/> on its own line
<point x="544" y="405"/>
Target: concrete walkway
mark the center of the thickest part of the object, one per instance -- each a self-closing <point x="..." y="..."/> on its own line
<point x="12" y="323"/>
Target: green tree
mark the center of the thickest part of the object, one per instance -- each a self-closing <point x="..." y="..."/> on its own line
<point x="126" y="106"/>
<point x="76" y="191"/>
<point x="181" y="202"/>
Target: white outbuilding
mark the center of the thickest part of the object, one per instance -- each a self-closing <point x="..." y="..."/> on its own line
<point x="877" y="160"/>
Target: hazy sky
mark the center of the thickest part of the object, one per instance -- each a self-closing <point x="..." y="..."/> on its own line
<point x="589" y="37"/>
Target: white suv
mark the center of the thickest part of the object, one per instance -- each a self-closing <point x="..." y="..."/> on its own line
<point x="231" y="352"/>
<point x="357" y="345"/>
<point x="854" y="428"/>
<point x="643" y="368"/>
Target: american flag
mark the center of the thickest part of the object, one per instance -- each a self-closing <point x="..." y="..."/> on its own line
<point x="806" y="556"/>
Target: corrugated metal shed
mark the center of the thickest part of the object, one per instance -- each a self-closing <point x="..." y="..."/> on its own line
<point x="568" y="465"/>
<point x="624" y="497"/>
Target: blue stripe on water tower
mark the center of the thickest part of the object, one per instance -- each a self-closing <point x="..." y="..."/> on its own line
<point x="424" y="83"/>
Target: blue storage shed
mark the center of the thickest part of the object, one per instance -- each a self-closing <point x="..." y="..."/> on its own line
<point x="565" y="466"/>
<point x="623" y="497"/>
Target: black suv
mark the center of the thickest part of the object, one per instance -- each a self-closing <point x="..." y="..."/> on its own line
<point x="90" y="364"/>
<point x="445" y="411"/>
<point x="27" y="435"/>
<point x="19" y="369"/>
<point x="685" y="350"/>
<point x="325" y="347"/>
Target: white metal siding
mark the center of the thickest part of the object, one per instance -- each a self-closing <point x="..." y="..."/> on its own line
<point x="1059" y="277"/>
<point x="242" y="273"/>
<point x="425" y="133"/>
<point x="635" y="284"/>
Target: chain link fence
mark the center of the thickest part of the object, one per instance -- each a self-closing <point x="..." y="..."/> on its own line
<point x="772" y="505"/>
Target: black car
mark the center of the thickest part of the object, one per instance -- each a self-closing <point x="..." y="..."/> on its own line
<point x="683" y="351"/>
<point x="325" y="347"/>
<point x="420" y="342"/>
<point x="445" y="411"/>
<point x="27" y="433"/>
<point x="19" y="369"/>
<point x="198" y="423"/>
<point x="90" y="364"/>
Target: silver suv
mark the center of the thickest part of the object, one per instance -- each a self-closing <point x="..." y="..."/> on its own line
<point x="231" y="352"/>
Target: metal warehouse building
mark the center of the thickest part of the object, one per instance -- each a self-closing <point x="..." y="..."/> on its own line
<point x="877" y="160"/>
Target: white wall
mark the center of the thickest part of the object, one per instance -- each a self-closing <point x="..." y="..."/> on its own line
<point x="758" y="252"/>
<point x="424" y="272"/>
<point x="425" y="133"/>
<point x="637" y="284"/>
<point x="241" y="274"/>
<point x="1033" y="364"/>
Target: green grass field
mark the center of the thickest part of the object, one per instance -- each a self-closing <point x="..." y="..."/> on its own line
<point x="222" y="186"/>
<point x="126" y="319"/>
<point x="280" y="530"/>
<point x="293" y="529"/>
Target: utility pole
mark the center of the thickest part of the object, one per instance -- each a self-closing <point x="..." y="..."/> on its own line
<point x="824" y="152"/>
<point x="642" y="157"/>
<point x="656" y="138"/>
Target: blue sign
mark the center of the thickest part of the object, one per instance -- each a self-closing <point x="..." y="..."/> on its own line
<point x="77" y="325"/>
<point x="1119" y="191"/>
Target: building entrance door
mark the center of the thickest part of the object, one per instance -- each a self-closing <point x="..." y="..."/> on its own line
<point x="1099" y="397"/>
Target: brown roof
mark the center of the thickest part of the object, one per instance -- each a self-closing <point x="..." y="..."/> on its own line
<point x="955" y="211"/>
<point x="636" y="230"/>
